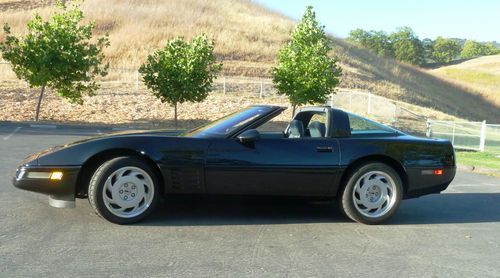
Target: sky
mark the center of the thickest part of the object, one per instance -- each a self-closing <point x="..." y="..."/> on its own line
<point x="477" y="19"/>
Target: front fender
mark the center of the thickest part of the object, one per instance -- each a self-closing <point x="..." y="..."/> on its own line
<point x="78" y="153"/>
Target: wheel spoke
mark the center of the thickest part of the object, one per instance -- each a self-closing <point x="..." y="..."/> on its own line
<point x="122" y="172"/>
<point x="131" y="193"/>
<point x="109" y="200"/>
<point x="357" y="187"/>
<point x="380" y="179"/>
<point x="108" y="184"/>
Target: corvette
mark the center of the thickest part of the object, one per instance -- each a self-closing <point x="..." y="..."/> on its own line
<point x="367" y="168"/>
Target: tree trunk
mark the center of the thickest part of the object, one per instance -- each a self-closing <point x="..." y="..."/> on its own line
<point x="37" y="113"/>
<point x="175" y="115"/>
<point x="293" y="109"/>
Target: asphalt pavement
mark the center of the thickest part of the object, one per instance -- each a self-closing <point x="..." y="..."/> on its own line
<point x="453" y="234"/>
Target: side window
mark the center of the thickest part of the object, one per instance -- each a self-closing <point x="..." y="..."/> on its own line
<point x="360" y="125"/>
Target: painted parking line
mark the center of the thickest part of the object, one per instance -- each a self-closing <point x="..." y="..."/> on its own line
<point x="12" y="133"/>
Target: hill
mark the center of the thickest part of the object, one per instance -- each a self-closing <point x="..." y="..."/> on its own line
<point x="481" y="74"/>
<point x="247" y="38"/>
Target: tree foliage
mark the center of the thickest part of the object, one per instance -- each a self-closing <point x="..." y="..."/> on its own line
<point x="472" y="49"/>
<point x="181" y="71"/>
<point x="407" y="47"/>
<point x="377" y="41"/>
<point x="445" y="50"/>
<point x="305" y="72"/>
<point x="58" y="54"/>
<point x="491" y="49"/>
<point x="427" y="44"/>
<point x="402" y="45"/>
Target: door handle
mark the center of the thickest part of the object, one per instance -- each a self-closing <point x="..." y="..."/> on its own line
<point x="324" y="149"/>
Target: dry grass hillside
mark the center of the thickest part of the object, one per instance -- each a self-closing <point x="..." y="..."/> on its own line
<point x="247" y="38"/>
<point x="246" y="35"/>
<point x="413" y="85"/>
<point x="481" y="74"/>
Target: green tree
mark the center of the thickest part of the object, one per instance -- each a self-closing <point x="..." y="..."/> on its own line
<point x="445" y="50"/>
<point x="427" y="44"/>
<point x="472" y="49"/>
<point x="57" y="54"/>
<point x="491" y="49"/>
<point x="360" y="37"/>
<point x="407" y="47"/>
<point x="304" y="72"/>
<point x="381" y="44"/>
<point x="181" y="71"/>
<point x="377" y="42"/>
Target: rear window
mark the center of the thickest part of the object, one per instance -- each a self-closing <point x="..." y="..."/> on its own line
<point x="360" y="125"/>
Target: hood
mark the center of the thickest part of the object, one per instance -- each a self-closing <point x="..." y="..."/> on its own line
<point x="127" y="133"/>
<point x="165" y="132"/>
<point x="32" y="158"/>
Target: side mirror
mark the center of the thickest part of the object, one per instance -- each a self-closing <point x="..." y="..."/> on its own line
<point x="249" y="136"/>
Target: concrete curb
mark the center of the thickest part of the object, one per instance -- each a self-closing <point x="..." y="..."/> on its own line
<point x="43" y="126"/>
<point x="478" y="170"/>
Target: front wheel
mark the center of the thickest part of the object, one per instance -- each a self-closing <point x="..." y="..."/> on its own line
<point x="372" y="193"/>
<point x="124" y="190"/>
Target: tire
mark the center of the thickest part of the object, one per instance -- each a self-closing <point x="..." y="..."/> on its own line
<point x="371" y="194"/>
<point x="124" y="190"/>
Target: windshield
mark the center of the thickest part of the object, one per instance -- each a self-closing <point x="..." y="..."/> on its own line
<point x="225" y="126"/>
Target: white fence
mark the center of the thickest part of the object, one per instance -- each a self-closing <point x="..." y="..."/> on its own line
<point x="381" y="109"/>
<point x="130" y="79"/>
<point x="477" y="136"/>
<point x="365" y="103"/>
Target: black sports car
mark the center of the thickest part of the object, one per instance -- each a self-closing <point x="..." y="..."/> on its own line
<point x="368" y="167"/>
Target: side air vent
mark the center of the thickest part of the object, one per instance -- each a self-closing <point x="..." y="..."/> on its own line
<point x="186" y="179"/>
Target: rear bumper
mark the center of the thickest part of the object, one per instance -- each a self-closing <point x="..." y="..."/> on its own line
<point x="422" y="181"/>
<point x="61" y="192"/>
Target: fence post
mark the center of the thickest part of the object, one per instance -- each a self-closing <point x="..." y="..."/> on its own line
<point x="395" y="116"/>
<point x="482" y="139"/>
<point x="224" y="85"/>
<point x="369" y="103"/>
<point x="261" y="89"/>
<point x="428" y="132"/>
<point x="350" y="102"/>
<point x="453" y="134"/>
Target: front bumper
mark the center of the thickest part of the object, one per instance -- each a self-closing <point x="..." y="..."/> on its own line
<point x="61" y="192"/>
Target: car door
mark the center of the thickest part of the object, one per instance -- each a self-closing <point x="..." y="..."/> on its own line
<point x="273" y="166"/>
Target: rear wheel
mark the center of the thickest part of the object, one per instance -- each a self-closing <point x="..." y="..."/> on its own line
<point x="124" y="190"/>
<point x="372" y="193"/>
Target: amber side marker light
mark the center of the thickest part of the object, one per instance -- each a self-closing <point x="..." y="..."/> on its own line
<point x="56" y="175"/>
<point x="438" y="172"/>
